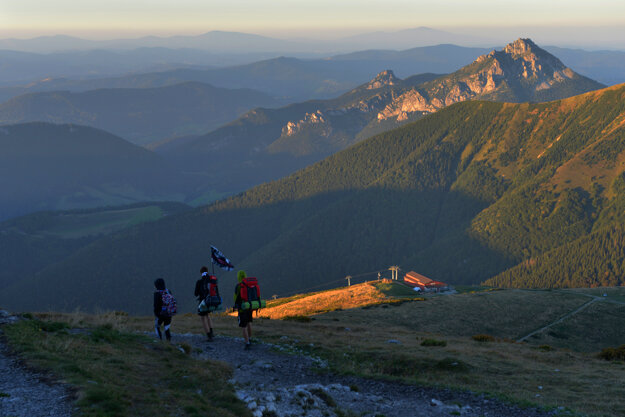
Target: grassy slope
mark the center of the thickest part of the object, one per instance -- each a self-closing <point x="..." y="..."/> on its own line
<point x="356" y="341"/>
<point x="117" y="373"/>
<point x="569" y="378"/>
<point x="358" y="295"/>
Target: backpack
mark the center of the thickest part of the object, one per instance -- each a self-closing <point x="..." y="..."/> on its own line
<point x="169" y="307"/>
<point x="250" y="294"/>
<point x="212" y="299"/>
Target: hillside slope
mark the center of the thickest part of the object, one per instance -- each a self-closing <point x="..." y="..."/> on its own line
<point x="35" y="241"/>
<point x="459" y="196"/>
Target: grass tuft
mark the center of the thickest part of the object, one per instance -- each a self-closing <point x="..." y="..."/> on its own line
<point x="483" y="338"/>
<point x="613" y="354"/>
<point x="325" y="397"/>
<point x="434" y="342"/>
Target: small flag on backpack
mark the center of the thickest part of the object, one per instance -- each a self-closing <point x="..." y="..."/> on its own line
<point x="220" y="260"/>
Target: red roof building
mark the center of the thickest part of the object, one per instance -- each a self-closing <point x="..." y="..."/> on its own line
<point x="426" y="284"/>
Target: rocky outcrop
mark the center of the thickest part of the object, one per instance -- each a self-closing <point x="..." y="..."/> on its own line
<point x="315" y="119"/>
<point x="383" y="79"/>
<point x="410" y="102"/>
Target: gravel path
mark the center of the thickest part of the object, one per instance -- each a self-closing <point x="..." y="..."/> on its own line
<point x="279" y="381"/>
<point x="24" y="393"/>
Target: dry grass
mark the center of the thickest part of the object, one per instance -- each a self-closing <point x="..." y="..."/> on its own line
<point x="341" y="298"/>
<point x="386" y="340"/>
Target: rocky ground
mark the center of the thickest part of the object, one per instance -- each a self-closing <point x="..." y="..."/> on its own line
<point x="280" y="381"/>
<point x="273" y="380"/>
<point x="25" y="393"/>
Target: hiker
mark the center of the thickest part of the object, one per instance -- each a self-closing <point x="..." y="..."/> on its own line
<point x="202" y="290"/>
<point x="245" y="316"/>
<point x="164" y="308"/>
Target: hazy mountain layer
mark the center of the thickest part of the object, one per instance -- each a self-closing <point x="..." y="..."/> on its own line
<point x="50" y="167"/>
<point x="287" y="77"/>
<point x="140" y="115"/>
<point x="460" y="195"/>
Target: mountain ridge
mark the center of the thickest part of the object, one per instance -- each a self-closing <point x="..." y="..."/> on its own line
<point x="312" y="130"/>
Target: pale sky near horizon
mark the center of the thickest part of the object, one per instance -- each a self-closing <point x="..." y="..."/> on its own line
<point x="98" y="19"/>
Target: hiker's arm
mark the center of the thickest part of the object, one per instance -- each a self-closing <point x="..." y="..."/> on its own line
<point x="236" y="293"/>
<point x="158" y="303"/>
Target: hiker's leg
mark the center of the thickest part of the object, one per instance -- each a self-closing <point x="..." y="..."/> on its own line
<point x="246" y="335"/>
<point x="249" y="330"/>
<point x="210" y="323"/>
<point x="204" y="319"/>
<point x="167" y="325"/>
<point x="157" y="327"/>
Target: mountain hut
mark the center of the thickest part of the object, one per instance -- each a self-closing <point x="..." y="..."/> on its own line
<point x="415" y="279"/>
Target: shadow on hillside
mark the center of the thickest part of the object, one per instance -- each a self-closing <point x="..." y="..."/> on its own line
<point x="290" y="246"/>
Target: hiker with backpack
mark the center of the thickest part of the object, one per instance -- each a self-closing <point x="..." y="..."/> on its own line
<point x="246" y="300"/>
<point x="207" y="293"/>
<point x="164" y="308"/>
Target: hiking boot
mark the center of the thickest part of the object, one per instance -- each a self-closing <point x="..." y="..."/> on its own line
<point x="248" y="346"/>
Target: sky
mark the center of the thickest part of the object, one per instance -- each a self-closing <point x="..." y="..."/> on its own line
<point x="108" y="19"/>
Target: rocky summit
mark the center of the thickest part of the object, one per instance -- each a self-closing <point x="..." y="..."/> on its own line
<point x="522" y="71"/>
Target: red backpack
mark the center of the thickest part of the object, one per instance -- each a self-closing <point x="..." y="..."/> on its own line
<point x="250" y="294"/>
<point x="213" y="299"/>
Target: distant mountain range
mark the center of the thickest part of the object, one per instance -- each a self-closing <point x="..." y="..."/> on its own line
<point x="294" y="78"/>
<point x="54" y="167"/>
<point x="23" y="68"/>
<point x="140" y="115"/>
<point x="241" y="43"/>
<point x="221" y="41"/>
<point x="459" y="195"/>
<point x="266" y="144"/>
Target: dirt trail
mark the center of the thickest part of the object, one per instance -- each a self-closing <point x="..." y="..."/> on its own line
<point x="282" y="381"/>
<point x="24" y="393"/>
<point x="594" y="299"/>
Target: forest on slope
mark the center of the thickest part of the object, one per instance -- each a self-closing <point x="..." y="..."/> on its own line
<point x="460" y="196"/>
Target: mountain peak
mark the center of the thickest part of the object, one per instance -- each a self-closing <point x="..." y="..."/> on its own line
<point x="521" y="47"/>
<point x="383" y="79"/>
<point x="522" y="71"/>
